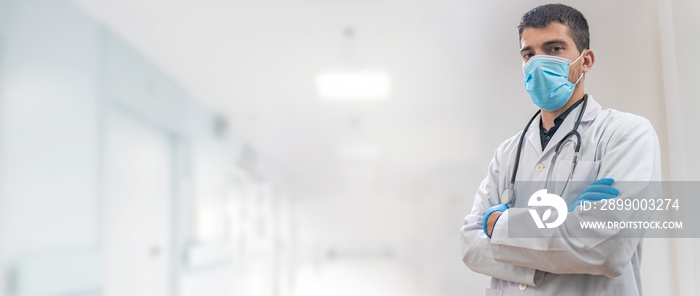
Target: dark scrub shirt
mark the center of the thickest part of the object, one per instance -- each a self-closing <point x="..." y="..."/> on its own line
<point x="546" y="135"/>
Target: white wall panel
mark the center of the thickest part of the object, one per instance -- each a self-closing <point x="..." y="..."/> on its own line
<point x="48" y="131"/>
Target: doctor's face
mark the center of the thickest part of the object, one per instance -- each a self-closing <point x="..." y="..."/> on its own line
<point x="555" y="40"/>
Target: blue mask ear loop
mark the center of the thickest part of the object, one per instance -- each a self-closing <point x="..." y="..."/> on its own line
<point x="574" y="62"/>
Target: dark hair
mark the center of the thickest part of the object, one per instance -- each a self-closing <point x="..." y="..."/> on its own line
<point x="542" y="16"/>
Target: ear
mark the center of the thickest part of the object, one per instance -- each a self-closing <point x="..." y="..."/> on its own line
<point x="588" y="61"/>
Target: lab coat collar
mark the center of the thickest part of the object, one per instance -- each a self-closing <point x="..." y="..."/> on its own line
<point x="533" y="131"/>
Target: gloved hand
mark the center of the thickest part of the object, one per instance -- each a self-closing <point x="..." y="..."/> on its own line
<point x="598" y="190"/>
<point x="496" y="208"/>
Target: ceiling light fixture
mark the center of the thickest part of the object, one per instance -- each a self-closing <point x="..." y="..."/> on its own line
<point x="358" y="85"/>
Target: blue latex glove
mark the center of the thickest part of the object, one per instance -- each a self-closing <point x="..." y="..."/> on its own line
<point x="496" y="208"/>
<point x="598" y="190"/>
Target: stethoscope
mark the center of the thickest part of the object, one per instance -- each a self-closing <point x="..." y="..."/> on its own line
<point x="508" y="195"/>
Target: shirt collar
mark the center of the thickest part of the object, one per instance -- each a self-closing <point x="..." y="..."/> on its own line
<point x="561" y="117"/>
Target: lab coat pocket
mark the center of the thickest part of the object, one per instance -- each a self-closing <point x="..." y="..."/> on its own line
<point x="586" y="171"/>
<point x="584" y="174"/>
<point x="493" y="292"/>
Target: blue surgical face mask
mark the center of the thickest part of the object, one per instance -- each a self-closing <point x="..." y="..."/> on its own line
<point x="547" y="81"/>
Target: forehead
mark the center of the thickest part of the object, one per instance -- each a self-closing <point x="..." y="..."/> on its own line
<point x="536" y="36"/>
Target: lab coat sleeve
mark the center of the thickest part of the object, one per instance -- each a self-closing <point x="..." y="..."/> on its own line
<point x="477" y="252"/>
<point x="631" y="154"/>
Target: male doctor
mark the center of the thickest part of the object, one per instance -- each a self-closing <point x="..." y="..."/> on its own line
<point x="615" y="147"/>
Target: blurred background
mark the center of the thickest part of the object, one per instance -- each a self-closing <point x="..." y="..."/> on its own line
<point x="211" y="147"/>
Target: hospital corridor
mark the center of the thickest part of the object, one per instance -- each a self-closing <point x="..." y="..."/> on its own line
<point x="295" y="148"/>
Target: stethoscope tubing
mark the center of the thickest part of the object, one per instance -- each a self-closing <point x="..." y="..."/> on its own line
<point x="574" y="132"/>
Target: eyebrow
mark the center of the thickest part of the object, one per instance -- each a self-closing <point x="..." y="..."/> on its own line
<point x="546" y="44"/>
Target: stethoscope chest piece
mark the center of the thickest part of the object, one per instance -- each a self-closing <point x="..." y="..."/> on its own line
<point x="506" y="196"/>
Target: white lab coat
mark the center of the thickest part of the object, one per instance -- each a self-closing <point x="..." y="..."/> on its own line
<point x="615" y="145"/>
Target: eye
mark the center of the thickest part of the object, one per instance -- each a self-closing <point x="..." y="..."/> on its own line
<point x="556" y="49"/>
<point x="527" y="55"/>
